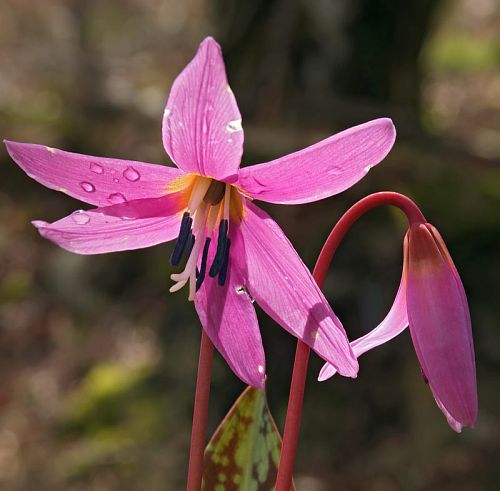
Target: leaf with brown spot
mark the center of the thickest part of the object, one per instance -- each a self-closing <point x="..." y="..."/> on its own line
<point x="243" y="454"/>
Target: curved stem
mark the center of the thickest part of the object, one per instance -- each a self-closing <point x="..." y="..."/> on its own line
<point x="200" y="414"/>
<point x="299" y="374"/>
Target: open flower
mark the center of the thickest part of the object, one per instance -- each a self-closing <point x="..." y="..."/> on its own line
<point x="234" y="252"/>
<point x="431" y="299"/>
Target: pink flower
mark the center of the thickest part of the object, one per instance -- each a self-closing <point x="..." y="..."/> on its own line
<point x="235" y="252"/>
<point x="431" y="299"/>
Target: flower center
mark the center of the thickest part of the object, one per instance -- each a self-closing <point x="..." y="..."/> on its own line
<point x="212" y="205"/>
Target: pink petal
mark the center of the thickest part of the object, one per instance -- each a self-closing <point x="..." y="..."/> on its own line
<point x="323" y="169"/>
<point x="394" y="323"/>
<point x="440" y="325"/>
<point x="228" y="317"/>
<point x="202" y="123"/>
<point x="454" y="424"/>
<point x="131" y="225"/>
<point x="96" y="180"/>
<point x="282" y="285"/>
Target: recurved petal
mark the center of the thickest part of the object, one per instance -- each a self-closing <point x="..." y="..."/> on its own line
<point x="440" y="325"/>
<point x="126" y="226"/>
<point x="229" y="319"/>
<point x="394" y="323"/>
<point x="323" y="169"/>
<point x="98" y="181"/>
<point x="202" y="130"/>
<point x="283" y="286"/>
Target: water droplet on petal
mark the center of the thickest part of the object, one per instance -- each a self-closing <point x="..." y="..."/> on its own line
<point x="87" y="186"/>
<point x="167" y="113"/>
<point x="334" y="171"/>
<point x="241" y="290"/>
<point x="234" y="125"/>
<point x="117" y="198"/>
<point x="96" y="168"/>
<point x="314" y="335"/>
<point x="131" y="174"/>
<point x="80" y="217"/>
<point x="116" y="180"/>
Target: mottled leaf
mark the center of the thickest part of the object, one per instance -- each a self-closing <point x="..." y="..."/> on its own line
<point x="243" y="454"/>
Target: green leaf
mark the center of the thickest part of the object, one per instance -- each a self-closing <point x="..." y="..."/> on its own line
<point x="243" y="454"/>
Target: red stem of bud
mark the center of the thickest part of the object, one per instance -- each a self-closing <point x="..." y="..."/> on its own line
<point x="299" y="375"/>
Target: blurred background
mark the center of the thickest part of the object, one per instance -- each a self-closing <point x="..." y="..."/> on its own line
<point x="98" y="360"/>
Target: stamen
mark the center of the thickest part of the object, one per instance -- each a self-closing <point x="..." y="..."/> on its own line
<point x="221" y="248"/>
<point x="227" y="201"/>
<point x="212" y="218"/>
<point x="223" y="270"/>
<point x="189" y="272"/>
<point x="203" y="266"/>
<point x="184" y="233"/>
<point x="209" y="201"/>
<point x="200" y="188"/>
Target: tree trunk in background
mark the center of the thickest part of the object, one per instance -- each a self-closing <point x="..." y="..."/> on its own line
<point x="367" y="51"/>
<point x="386" y="39"/>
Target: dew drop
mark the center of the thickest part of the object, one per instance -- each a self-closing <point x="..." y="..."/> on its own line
<point x="96" y="168"/>
<point x="314" y="334"/>
<point x="241" y="290"/>
<point x="116" y="180"/>
<point x="117" y="198"/>
<point x="167" y="113"/>
<point x="87" y="186"/>
<point x="234" y="125"/>
<point x="131" y="174"/>
<point x="334" y="171"/>
<point x="80" y="217"/>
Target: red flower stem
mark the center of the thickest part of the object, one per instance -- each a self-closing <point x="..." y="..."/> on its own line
<point x="299" y="375"/>
<point x="200" y="414"/>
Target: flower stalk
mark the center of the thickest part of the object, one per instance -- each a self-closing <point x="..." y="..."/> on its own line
<point x="299" y="374"/>
<point x="200" y="414"/>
